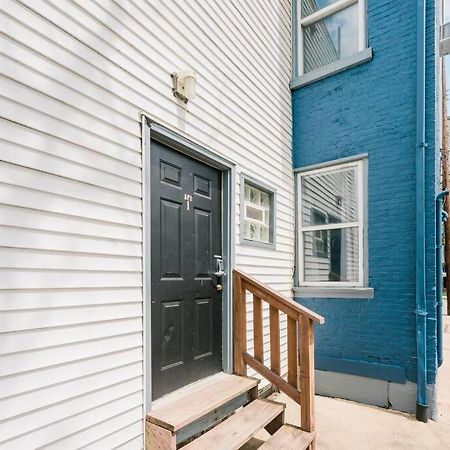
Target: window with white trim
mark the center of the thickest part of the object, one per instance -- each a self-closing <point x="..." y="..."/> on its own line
<point x="331" y="226"/>
<point x="257" y="214"/>
<point x="328" y="31"/>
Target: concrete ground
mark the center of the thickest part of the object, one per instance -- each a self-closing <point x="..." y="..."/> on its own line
<point x="347" y="425"/>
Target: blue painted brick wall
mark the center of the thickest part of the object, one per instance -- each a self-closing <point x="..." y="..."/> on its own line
<point x="371" y="109"/>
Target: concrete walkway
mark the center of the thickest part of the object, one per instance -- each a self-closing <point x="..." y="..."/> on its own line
<point x="347" y="425"/>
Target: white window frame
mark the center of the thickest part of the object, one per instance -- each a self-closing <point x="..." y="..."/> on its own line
<point x="299" y="22"/>
<point x="245" y="179"/>
<point x="360" y="224"/>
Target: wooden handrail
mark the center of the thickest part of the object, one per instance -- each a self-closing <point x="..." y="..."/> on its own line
<point x="281" y="302"/>
<point x="300" y="342"/>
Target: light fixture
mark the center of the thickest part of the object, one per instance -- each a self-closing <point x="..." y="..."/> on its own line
<point x="184" y="85"/>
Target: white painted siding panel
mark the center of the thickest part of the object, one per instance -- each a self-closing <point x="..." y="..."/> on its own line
<point x="75" y="76"/>
<point x="28" y="381"/>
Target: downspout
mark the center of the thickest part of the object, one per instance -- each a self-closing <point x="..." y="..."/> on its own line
<point x="421" y="304"/>
<point x="441" y="216"/>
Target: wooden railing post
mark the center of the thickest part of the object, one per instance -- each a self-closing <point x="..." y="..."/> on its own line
<point x="292" y="350"/>
<point x="275" y="359"/>
<point x="240" y="326"/>
<point x="258" y="333"/>
<point x="307" y="384"/>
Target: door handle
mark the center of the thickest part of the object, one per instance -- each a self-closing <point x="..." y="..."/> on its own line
<point x="219" y="267"/>
<point x="219" y="272"/>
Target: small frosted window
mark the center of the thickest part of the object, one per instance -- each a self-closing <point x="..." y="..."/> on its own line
<point x="258" y="211"/>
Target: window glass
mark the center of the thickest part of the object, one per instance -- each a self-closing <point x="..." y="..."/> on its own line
<point x="331" y="226"/>
<point x="331" y="39"/>
<point x="333" y="194"/>
<point x="341" y="260"/>
<point x="320" y="239"/>
<point x="257" y="214"/>
<point x="311" y="6"/>
<point x="446" y="12"/>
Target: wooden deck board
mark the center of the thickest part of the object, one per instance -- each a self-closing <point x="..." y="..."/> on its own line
<point x="288" y="437"/>
<point x="239" y="428"/>
<point x="178" y="411"/>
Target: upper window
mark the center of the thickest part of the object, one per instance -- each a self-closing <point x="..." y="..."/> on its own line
<point x="331" y="226"/>
<point x="257" y="214"/>
<point x="329" y="31"/>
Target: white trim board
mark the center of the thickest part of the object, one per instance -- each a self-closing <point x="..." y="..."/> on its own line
<point x="332" y="69"/>
<point x="334" y="292"/>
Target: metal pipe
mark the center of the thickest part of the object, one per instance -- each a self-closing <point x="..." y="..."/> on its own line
<point x="441" y="216"/>
<point x="421" y="304"/>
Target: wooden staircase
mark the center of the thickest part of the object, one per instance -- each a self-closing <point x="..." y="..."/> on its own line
<point x="223" y="412"/>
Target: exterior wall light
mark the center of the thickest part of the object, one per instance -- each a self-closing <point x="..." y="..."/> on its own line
<point x="184" y="85"/>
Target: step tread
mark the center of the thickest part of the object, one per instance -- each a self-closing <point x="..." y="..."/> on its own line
<point x="289" y="437"/>
<point x="201" y="400"/>
<point x="239" y="428"/>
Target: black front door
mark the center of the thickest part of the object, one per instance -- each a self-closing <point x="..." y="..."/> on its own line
<point x="186" y="239"/>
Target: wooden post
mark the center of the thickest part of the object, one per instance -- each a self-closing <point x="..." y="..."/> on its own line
<point x="258" y="334"/>
<point x="307" y="384"/>
<point x="292" y="352"/>
<point x="275" y="360"/>
<point x="240" y="326"/>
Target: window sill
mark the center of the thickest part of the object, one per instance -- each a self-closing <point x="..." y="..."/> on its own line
<point x="333" y="292"/>
<point x="250" y="243"/>
<point x="333" y="68"/>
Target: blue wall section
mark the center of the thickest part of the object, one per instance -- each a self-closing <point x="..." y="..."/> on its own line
<point x="371" y="109"/>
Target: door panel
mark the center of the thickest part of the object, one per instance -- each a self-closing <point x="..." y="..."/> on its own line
<point x="203" y="327"/>
<point x="202" y="243"/>
<point x="186" y="308"/>
<point x="170" y="239"/>
<point x="171" y="326"/>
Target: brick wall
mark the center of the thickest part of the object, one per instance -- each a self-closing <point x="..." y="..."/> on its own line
<point x="371" y="109"/>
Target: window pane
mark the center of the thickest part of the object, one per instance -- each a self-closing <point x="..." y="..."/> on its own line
<point x="311" y="6"/>
<point x="318" y="218"/>
<point x="254" y="195"/>
<point x="265" y="199"/>
<point x="330" y="197"/>
<point x="331" y="39"/>
<point x="257" y="214"/>
<point x="340" y="262"/>
<point x="320" y="243"/>
<point x="265" y="234"/>
<point x="253" y="213"/>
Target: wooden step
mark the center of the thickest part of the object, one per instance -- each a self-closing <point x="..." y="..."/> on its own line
<point x="190" y="410"/>
<point x="289" y="437"/>
<point x="239" y="428"/>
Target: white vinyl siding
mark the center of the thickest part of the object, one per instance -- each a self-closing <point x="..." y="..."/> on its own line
<point x="75" y="77"/>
